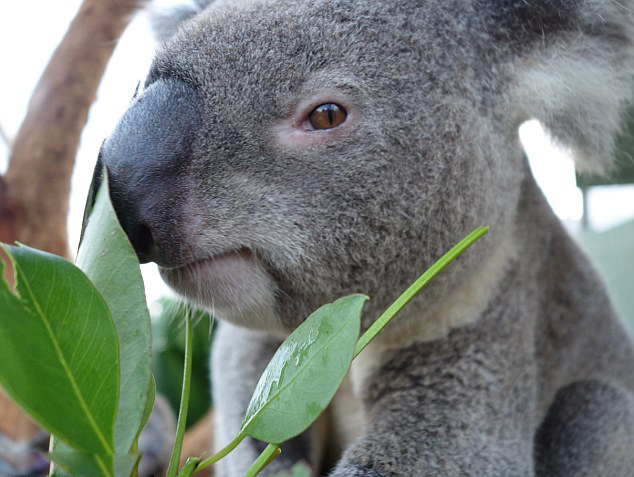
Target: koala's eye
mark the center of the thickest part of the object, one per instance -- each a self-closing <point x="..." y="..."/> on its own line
<point x="327" y="116"/>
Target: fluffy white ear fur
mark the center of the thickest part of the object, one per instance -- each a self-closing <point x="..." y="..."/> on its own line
<point x="580" y="101"/>
<point x="581" y="86"/>
<point x="166" y="16"/>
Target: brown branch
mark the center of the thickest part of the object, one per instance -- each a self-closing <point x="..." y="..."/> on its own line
<point x="18" y="427"/>
<point x="43" y="153"/>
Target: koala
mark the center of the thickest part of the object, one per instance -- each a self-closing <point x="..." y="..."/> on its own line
<point x="284" y="153"/>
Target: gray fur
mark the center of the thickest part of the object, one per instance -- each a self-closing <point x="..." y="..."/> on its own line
<point x="465" y="379"/>
<point x="166" y="20"/>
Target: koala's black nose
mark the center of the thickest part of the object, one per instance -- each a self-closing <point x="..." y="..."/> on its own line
<point x="145" y="156"/>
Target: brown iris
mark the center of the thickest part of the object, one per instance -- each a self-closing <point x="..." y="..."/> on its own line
<point x="327" y="116"/>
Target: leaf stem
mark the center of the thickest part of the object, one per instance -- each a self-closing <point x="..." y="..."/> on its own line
<point x="135" y="450"/>
<point x="221" y="453"/>
<point x="190" y="467"/>
<point x="266" y="457"/>
<point x="172" y="470"/>
<point x="411" y="292"/>
<point x="52" y="467"/>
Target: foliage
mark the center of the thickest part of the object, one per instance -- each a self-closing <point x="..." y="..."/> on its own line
<point x="78" y="347"/>
<point x="59" y="350"/>
<point x="109" y="261"/>
<point x="292" y="392"/>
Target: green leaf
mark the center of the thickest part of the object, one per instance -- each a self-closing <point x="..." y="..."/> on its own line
<point x="149" y="404"/>
<point x="57" y="445"/>
<point x="305" y="372"/>
<point x="95" y="183"/>
<point x="83" y="464"/>
<point x="108" y="259"/>
<point x="59" y="356"/>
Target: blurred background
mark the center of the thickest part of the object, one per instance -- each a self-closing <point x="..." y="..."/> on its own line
<point x="598" y="212"/>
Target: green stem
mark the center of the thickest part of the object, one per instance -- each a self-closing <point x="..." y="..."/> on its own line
<point x="135" y="450"/>
<point x="266" y="457"/>
<point x="190" y="467"/>
<point x="172" y="470"/>
<point x="411" y="292"/>
<point x="221" y="453"/>
<point x="51" y="468"/>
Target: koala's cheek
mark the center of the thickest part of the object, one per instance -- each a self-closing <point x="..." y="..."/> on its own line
<point x="233" y="286"/>
<point x="290" y="137"/>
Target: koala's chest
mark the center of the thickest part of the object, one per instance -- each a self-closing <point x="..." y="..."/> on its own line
<point x="346" y="421"/>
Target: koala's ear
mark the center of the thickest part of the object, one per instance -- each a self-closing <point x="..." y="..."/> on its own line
<point x="573" y="70"/>
<point x="166" y="16"/>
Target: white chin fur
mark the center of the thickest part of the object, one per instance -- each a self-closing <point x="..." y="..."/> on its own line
<point x="232" y="287"/>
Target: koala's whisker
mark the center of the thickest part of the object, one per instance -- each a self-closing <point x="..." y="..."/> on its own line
<point x="623" y="6"/>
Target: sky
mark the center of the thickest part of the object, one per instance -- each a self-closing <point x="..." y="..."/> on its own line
<point x="30" y="30"/>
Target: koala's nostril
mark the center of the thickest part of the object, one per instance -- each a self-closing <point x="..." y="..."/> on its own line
<point x="145" y="244"/>
<point x="145" y="158"/>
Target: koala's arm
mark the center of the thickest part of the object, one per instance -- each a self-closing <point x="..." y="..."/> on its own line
<point x="454" y="407"/>
<point x="239" y="358"/>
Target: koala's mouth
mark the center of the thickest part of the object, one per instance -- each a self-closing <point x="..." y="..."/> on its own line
<point x="217" y="270"/>
<point x="226" y="259"/>
<point x="228" y="284"/>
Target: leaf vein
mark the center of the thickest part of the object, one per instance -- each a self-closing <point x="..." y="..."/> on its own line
<point x="65" y="365"/>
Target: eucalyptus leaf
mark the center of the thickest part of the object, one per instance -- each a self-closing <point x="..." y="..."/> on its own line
<point x="305" y="372"/>
<point x="59" y="446"/>
<point x="59" y="353"/>
<point x="91" y="197"/>
<point x="109" y="260"/>
<point x="149" y="404"/>
<point x="84" y="464"/>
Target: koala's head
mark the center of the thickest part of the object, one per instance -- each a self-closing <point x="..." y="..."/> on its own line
<point x="285" y="153"/>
